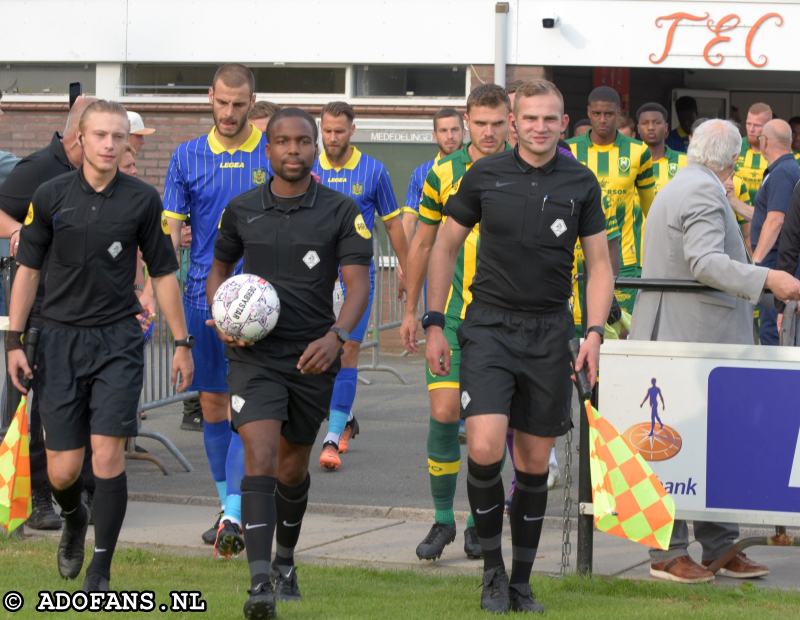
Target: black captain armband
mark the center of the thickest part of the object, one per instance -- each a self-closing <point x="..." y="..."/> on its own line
<point x="13" y="340"/>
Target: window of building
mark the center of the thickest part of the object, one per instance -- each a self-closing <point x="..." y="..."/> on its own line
<point x="398" y="81"/>
<point x="173" y="79"/>
<point x="45" y="79"/>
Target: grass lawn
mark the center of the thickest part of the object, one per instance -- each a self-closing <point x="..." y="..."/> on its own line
<point x="343" y="592"/>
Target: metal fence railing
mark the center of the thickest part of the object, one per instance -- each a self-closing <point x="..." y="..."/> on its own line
<point x="387" y="307"/>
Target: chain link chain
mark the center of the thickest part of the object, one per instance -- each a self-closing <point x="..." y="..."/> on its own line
<point x="566" y="545"/>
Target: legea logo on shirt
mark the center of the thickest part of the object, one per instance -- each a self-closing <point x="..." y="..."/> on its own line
<point x="232" y="164"/>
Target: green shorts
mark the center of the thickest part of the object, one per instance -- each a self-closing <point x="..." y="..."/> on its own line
<point x="627" y="296"/>
<point x="435" y="382"/>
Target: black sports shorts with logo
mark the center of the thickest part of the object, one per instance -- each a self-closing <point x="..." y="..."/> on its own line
<point x="90" y="381"/>
<point x="273" y="389"/>
<point x="518" y="365"/>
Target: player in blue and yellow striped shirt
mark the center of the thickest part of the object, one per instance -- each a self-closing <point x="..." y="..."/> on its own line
<point x="341" y="166"/>
<point x="448" y="132"/>
<point x="204" y="174"/>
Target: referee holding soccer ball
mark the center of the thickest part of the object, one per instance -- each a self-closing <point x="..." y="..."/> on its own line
<point x="296" y="234"/>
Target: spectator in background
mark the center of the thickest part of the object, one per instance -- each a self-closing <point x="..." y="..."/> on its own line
<point x="127" y="162"/>
<point x="138" y="131"/>
<point x="686" y="110"/>
<point x="581" y="127"/>
<point x="260" y="114"/>
<point x="511" y="89"/>
<point x="626" y="125"/>
<point x="794" y="123"/>
<point x="772" y="202"/>
<point x="7" y="163"/>
<point x="691" y="234"/>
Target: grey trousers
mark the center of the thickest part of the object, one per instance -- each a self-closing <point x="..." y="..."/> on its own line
<point x="716" y="539"/>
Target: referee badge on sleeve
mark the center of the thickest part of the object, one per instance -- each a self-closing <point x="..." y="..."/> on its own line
<point x="361" y="227"/>
<point x="29" y="216"/>
<point x="164" y="224"/>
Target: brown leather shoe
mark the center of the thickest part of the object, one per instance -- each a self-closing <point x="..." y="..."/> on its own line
<point x="741" y="567"/>
<point x="682" y="569"/>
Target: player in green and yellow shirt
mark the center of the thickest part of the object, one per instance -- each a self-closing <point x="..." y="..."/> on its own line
<point x="653" y="128"/>
<point x="751" y="164"/>
<point x="488" y="108"/>
<point x="623" y="168"/>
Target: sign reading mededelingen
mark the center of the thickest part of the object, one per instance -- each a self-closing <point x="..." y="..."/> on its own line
<point x="719" y="424"/>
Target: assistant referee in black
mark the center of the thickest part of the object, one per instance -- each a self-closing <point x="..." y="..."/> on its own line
<point x="90" y="357"/>
<point x="532" y="204"/>
<point x="295" y="233"/>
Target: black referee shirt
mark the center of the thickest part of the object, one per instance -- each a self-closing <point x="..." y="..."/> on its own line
<point x="94" y="238"/>
<point x="298" y="249"/>
<point x="17" y="190"/>
<point x="31" y="171"/>
<point x="530" y="219"/>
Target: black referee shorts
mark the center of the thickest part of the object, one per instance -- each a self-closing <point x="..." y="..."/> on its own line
<point x="90" y="381"/>
<point x="518" y="365"/>
<point x="273" y="389"/>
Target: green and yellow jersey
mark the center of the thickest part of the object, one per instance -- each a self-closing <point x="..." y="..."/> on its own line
<point x="666" y="168"/>
<point x="750" y="168"/>
<point x="441" y="183"/>
<point x="624" y="170"/>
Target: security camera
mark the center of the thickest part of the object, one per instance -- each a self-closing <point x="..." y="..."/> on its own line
<point x="549" y="22"/>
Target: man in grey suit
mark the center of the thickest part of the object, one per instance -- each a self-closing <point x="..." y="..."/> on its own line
<point x="691" y="234"/>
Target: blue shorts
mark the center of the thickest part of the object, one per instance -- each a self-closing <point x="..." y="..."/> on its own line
<point x="210" y="365"/>
<point x="357" y="335"/>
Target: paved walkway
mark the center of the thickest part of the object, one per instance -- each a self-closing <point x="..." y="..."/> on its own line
<point x="386" y="538"/>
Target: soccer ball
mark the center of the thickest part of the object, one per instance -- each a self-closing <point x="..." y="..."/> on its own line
<point x="246" y="307"/>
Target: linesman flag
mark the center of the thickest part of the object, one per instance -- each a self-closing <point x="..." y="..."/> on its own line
<point x="628" y="499"/>
<point x="15" y="472"/>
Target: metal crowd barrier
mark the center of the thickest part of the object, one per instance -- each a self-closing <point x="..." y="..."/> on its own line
<point x="790" y="336"/>
<point x="387" y="309"/>
<point x="156" y="392"/>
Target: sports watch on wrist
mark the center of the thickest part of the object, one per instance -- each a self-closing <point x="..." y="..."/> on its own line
<point x="187" y="342"/>
<point x="342" y="334"/>
<point x="597" y="329"/>
<point x="432" y="318"/>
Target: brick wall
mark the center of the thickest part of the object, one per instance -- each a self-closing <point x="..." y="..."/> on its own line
<point x="25" y="131"/>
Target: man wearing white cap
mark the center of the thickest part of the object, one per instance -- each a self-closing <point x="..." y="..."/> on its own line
<point x="138" y="131"/>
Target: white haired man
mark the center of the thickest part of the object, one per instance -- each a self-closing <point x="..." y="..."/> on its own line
<point x="691" y="234"/>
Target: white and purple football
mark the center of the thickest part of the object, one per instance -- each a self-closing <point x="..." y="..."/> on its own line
<point x="246" y="307"/>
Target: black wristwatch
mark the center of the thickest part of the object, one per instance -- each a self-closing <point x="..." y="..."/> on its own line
<point x="597" y="329"/>
<point x="342" y="334"/>
<point x="432" y="318"/>
<point x="187" y="342"/>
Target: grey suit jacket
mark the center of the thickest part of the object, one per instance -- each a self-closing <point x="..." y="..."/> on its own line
<point x="691" y="234"/>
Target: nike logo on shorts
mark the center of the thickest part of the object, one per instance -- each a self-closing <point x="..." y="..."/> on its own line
<point x="291" y="524"/>
<point x="252" y="526"/>
<point x="487" y="511"/>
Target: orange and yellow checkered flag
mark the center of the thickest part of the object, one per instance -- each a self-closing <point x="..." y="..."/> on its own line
<point x="628" y="499"/>
<point x="15" y="472"/>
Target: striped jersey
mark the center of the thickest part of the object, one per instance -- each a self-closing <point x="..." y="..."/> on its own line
<point x="441" y="183"/>
<point x="750" y="168"/>
<point x="202" y="178"/>
<point x="415" y="183"/>
<point x="666" y="168"/>
<point x="365" y="180"/>
<point x="625" y="172"/>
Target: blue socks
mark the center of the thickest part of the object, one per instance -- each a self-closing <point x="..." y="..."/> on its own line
<point x="234" y="471"/>
<point x="344" y="393"/>
<point x="217" y="438"/>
